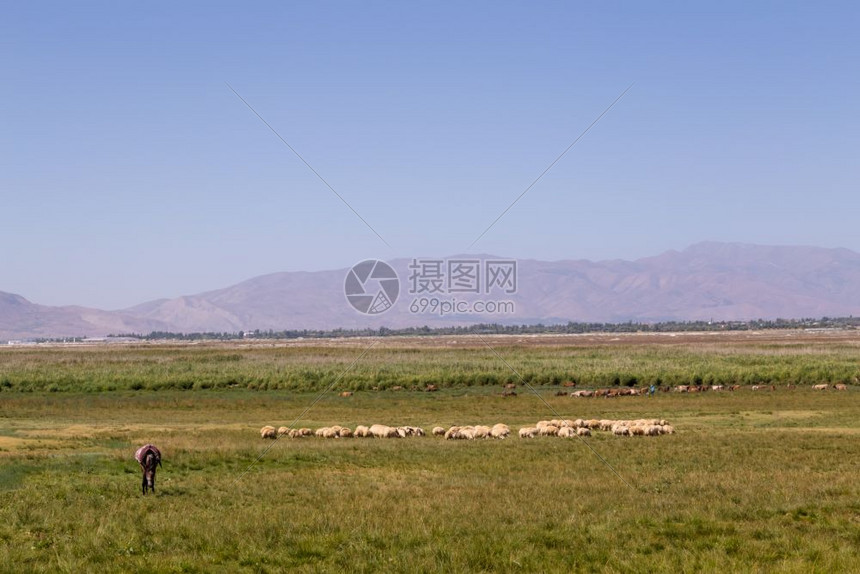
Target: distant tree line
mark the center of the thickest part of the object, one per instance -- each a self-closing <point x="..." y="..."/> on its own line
<point x="571" y="327"/>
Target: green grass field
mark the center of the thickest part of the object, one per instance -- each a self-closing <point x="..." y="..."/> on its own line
<point x="751" y="481"/>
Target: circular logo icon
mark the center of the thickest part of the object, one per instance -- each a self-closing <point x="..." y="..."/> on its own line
<point x="371" y="287"/>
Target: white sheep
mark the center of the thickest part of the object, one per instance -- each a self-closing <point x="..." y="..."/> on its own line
<point x="528" y="432"/>
<point x="268" y="432"/>
<point x="383" y="431"/>
<point x="582" y="431"/>
<point x="438" y="431"/>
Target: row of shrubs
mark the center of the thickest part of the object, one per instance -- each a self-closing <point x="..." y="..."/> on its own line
<point x="359" y="383"/>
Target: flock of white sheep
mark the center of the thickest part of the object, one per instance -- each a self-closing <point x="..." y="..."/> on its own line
<point x="559" y="428"/>
<point x="583" y="427"/>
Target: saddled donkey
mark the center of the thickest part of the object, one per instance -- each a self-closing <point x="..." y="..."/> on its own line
<point x="149" y="458"/>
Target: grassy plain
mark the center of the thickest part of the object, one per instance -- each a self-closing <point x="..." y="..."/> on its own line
<point x="768" y="357"/>
<point x="752" y="481"/>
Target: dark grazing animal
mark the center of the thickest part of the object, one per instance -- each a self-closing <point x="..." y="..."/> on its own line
<point x="149" y="458"/>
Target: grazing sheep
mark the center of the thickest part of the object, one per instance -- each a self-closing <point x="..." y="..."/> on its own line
<point x="413" y="431"/>
<point x="362" y="431"/>
<point x="467" y="433"/>
<point x="819" y="387"/>
<point x="582" y="431"/>
<point x="438" y="431"/>
<point x="840" y="387"/>
<point x="383" y="431"/>
<point x="620" y="430"/>
<point x="593" y="424"/>
<point x="295" y="433"/>
<point x="734" y="388"/>
<point x="268" y="432"/>
<point x="528" y="432"/>
<point x="668" y="429"/>
<point x="460" y="433"/>
<point x="718" y="388"/>
<point x="149" y="457"/>
<point x="549" y="430"/>
<point x="283" y="430"/>
<point x="305" y="432"/>
<point x="566" y="432"/>
<point x="346" y="394"/>
<point x="500" y="431"/>
<point x="344" y="433"/>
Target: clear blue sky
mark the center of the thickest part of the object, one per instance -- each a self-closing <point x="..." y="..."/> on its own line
<point x="129" y="171"/>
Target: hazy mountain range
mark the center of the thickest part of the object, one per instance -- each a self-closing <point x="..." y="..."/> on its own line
<point x="720" y="281"/>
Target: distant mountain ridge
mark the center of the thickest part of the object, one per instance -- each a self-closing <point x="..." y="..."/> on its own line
<point x="719" y="281"/>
